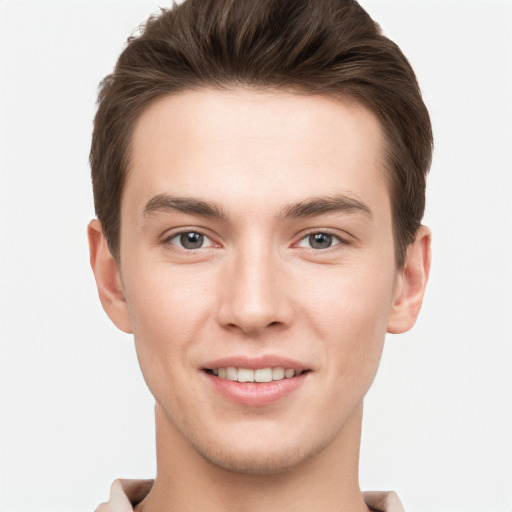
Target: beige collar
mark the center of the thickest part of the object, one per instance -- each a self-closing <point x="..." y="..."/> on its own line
<point x="124" y="494"/>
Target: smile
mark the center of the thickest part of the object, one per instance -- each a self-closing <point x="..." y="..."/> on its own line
<point x="255" y="375"/>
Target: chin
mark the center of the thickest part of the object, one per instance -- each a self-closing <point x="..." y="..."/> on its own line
<point x="257" y="463"/>
<point x="259" y="456"/>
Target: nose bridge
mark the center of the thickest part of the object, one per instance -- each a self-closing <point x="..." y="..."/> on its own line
<point x="253" y="293"/>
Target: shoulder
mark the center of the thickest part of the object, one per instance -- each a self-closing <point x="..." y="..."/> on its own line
<point x="124" y="494"/>
<point x="383" y="501"/>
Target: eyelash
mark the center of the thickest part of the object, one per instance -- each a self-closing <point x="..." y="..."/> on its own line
<point x="168" y="240"/>
<point x="335" y="240"/>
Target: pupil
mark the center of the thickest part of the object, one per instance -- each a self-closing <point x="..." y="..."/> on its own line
<point x="320" y="240"/>
<point x="191" y="240"/>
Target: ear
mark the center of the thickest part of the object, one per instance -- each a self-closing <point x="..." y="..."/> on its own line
<point x="411" y="283"/>
<point x="108" y="278"/>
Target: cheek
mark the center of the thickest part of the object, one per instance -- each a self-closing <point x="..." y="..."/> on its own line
<point x="167" y="309"/>
<point x="165" y="301"/>
<point x="355" y="351"/>
<point x="349" y="312"/>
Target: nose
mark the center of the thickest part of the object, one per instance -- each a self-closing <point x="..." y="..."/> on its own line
<point x="254" y="294"/>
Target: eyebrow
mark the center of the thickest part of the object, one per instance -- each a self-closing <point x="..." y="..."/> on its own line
<point x="316" y="206"/>
<point x="167" y="203"/>
<point x="312" y="207"/>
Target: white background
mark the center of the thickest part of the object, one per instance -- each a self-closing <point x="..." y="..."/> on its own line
<point x="74" y="411"/>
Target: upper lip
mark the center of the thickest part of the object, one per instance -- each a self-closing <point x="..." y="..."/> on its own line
<point x="253" y="363"/>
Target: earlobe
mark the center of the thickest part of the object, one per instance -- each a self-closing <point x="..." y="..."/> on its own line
<point x="411" y="284"/>
<point x="108" y="278"/>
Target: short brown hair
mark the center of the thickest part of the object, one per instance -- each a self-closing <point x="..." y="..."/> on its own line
<point x="329" y="47"/>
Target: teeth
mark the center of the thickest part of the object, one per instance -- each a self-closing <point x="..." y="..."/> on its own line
<point x="259" y="375"/>
<point x="277" y="373"/>
<point x="289" y="373"/>
<point x="263" y="375"/>
<point x="231" y="373"/>
<point x="245" y="375"/>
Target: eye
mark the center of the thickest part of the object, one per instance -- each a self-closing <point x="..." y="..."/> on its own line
<point x="319" y="241"/>
<point x="190" y="240"/>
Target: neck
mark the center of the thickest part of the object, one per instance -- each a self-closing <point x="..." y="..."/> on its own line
<point x="186" y="481"/>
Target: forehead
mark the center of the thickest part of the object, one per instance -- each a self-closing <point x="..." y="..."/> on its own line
<point x="273" y="147"/>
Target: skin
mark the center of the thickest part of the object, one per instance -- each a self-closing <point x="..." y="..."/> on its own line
<point x="257" y="287"/>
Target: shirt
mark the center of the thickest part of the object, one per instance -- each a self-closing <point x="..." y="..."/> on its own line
<point x="125" y="494"/>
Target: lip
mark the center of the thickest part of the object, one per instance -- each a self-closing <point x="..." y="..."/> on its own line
<point x="255" y="393"/>
<point x="253" y="363"/>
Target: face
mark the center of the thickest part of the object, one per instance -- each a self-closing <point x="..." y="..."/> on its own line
<point x="256" y="244"/>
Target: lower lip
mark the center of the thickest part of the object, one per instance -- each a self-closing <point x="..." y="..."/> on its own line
<point x="255" y="393"/>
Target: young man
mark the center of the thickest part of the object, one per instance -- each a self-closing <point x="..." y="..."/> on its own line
<point x="259" y="180"/>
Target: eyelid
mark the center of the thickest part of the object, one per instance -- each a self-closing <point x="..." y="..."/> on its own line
<point x="177" y="232"/>
<point x="340" y="240"/>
